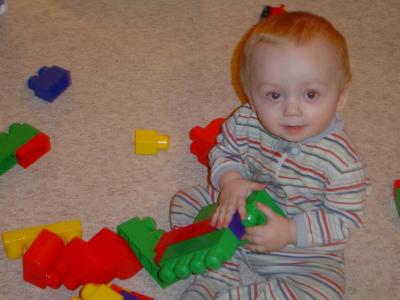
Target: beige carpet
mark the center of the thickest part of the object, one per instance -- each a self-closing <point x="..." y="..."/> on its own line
<point x="165" y="65"/>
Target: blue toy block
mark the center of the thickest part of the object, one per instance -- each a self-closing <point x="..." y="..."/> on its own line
<point x="128" y="296"/>
<point x="50" y="82"/>
<point x="236" y="226"/>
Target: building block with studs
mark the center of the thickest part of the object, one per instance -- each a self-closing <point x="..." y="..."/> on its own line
<point x="116" y="257"/>
<point x="98" y="292"/>
<point x="50" y="82"/>
<point x="181" y="234"/>
<point x="396" y="195"/>
<point x="196" y="255"/>
<point x="38" y="260"/>
<point x="16" y="241"/>
<point x="203" y="139"/>
<point x="143" y="236"/>
<point x="23" y="144"/>
<point x="148" y="141"/>
<point x="254" y="216"/>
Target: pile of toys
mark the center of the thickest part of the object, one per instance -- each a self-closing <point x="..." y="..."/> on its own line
<point x="55" y="254"/>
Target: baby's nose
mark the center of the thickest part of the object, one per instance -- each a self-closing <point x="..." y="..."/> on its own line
<point x="292" y="107"/>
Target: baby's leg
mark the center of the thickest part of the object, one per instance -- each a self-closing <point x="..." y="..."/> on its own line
<point x="293" y="276"/>
<point x="186" y="204"/>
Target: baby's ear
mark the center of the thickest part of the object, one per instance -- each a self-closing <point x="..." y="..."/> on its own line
<point x="344" y="94"/>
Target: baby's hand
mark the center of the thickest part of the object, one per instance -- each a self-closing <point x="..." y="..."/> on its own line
<point x="273" y="236"/>
<point x="233" y="197"/>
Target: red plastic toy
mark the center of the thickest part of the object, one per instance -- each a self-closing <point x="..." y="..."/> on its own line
<point x="181" y="234"/>
<point x="38" y="146"/>
<point x="38" y="261"/>
<point x="204" y="139"/>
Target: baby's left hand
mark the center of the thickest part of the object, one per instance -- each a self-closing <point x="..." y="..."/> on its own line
<point x="273" y="236"/>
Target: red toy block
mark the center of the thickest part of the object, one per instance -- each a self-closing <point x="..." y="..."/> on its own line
<point x="204" y="139"/>
<point x="34" y="149"/>
<point x="396" y="186"/>
<point x="119" y="289"/>
<point x="181" y="234"/>
<point x="114" y="254"/>
<point x="77" y="265"/>
<point x="39" y="259"/>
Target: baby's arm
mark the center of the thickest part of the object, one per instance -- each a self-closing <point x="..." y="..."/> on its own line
<point x="340" y="213"/>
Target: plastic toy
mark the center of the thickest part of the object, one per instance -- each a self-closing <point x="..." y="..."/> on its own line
<point x="396" y="194"/>
<point x="269" y="10"/>
<point x="98" y="292"/>
<point x="205" y="212"/>
<point x="50" y="82"/>
<point x="22" y="144"/>
<point x="124" y="293"/>
<point x="38" y="260"/>
<point x="3" y="7"/>
<point x="197" y="254"/>
<point x="203" y="139"/>
<point x="143" y="236"/>
<point x="181" y="234"/>
<point x="148" y="141"/>
<point x="254" y="216"/>
<point x="236" y="226"/>
<point x="16" y="241"/>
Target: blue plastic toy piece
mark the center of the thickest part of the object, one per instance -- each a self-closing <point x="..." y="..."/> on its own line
<point x="50" y="82"/>
<point x="236" y="226"/>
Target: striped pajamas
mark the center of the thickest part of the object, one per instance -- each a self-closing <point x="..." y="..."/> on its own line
<point x="319" y="183"/>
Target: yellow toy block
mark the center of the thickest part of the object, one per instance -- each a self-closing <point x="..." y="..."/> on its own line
<point x="148" y="141"/>
<point x="16" y="241"/>
<point x="98" y="292"/>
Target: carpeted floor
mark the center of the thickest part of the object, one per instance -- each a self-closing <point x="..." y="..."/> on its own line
<point x="166" y="65"/>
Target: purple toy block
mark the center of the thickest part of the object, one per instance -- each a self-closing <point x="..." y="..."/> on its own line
<point x="236" y="226"/>
<point x="128" y="296"/>
<point x="50" y="82"/>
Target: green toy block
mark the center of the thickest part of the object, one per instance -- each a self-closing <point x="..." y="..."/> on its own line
<point x="143" y="237"/>
<point x="205" y="213"/>
<point x="18" y="135"/>
<point x="254" y="216"/>
<point x="397" y="200"/>
<point x="196" y="255"/>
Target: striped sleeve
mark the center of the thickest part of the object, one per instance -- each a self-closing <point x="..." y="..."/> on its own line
<point x="342" y="205"/>
<point x="225" y="156"/>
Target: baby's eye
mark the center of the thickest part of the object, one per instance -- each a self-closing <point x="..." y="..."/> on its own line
<point x="311" y="95"/>
<point x="274" y="96"/>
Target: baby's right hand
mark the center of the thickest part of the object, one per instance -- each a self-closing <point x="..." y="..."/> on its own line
<point x="233" y="197"/>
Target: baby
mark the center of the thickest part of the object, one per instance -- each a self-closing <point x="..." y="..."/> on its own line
<point x="289" y="140"/>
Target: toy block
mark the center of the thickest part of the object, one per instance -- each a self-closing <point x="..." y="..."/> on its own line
<point x="180" y="234"/>
<point x="77" y="265"/>
<point x="115" y="255"/>
<point x="254" y="216"/>
<point x="99" y="292"/>
<point x="16" y="241"/>
<point x="17" y="136"/>
<point x="203" y="139"/>
<point x="396" y="187"/>
<point x="3" y="7"/>
<point x="143" y="237"/>
<point x="38" y="260"/>
<point x="124" y="292"/>
<point x="196" y="255"/>
<point x="149" y="141"/>
<point x="205" y="212"/>
<point x="34" y="149"/>
<point x="50" y="82"/>
<point x="236" y="226"/>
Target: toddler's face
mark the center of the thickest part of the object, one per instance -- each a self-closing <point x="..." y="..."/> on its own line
<point x="295" y="90"/>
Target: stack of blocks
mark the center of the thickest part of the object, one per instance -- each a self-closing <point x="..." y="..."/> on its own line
<point x="23" y="144"/>
<point x="396" y="194"/>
